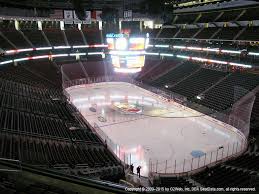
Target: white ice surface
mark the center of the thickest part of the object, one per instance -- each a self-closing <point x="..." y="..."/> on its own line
<point x="163" y="131"/>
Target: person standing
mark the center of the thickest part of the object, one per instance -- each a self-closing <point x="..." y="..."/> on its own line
<point x="131" y="168"/>
<point x="138" y="171"/>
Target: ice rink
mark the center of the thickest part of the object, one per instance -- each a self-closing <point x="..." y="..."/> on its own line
<point x="150" y="130"/>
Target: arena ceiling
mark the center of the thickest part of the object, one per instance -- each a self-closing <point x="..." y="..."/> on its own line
<point x="61" y="4"/>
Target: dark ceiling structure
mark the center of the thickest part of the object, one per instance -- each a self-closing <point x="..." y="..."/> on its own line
<point x="64" y="4"/>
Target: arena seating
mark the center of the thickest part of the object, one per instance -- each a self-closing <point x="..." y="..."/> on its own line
<point x="251" y="33"/>
<point x="228" y="33"/>
<point x="187" y="33"/>
<point x="250" y="14"/>
<point x="225" y="33"/>
<point x="73" y="70"/>
<point x="223" y="95"/>
<point x="175" y="75"/>
<point x="208" y="17"/>
<point x="38" y="127"/>
<point x="47" y="70"/>
<point x="185" y="18"/>
<point x="12" y="38"/>
<point x="16" y="38"/>
<point x="37" y="151"/>
<point x="247" y="161"/>
<point x="32" y="33"/>
<point x="10" y="185"/>
<point x="150" y="63"/>
<point x="206" y="33"/>
<point x="26" y="90"/>
<point x="36" y="38"/>
<point x="5" y="45"/>
<point x="92" y="36"/>
<point x="24" y="76"/>
<point x="198" y="82"/>
<point x="156" y="67"/>
<point x="94" y="68"/>
<point x="222" y="177"/>
<point x="222" y="89"/>
<point x="174" y="182"/>
<point x="216" y="16"/>
<point x="74" y="36"/>
<point x="168" y="32"/>
<point x="55" y="36"/>
<point x="153" y="33"/>
<point x="229" y="16"/>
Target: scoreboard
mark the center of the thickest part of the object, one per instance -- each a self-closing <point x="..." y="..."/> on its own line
<point x="127" y="53"/>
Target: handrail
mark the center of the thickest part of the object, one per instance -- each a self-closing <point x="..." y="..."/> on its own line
<point x="19" y="163"/>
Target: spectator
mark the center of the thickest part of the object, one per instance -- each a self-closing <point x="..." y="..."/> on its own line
<point x="131" y="168"/>
<point x="138" y="171"/>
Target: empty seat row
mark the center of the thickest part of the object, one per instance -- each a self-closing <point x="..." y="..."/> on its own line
<point x="223" y="95"/>
<point x="36" y="106"/>
<point x="176" y="74"/>
<point x="22" y="74"/>
<point x="38" y="152"/>
<point x="223" y="33"/>
<point x="247" y="161"/>
<point x="39" y="127"/>
<point x="74" y="37"/>
<point x="22" y="89"/>
<point x="222" y="177"/>
<point x="16" y="37"/>
<point x="22" y="122"/>
<point x="248" y="14"/>
<point x="55" y="37"/>
<point x="198" y="82"/>
<point x="174" y="182"/>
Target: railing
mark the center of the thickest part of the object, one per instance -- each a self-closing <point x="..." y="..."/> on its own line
<point x="190" y="164"/>
<point x="202" y="39"/>
<point x="222" y="153"/>
<point x="194" y="164"/>
<point x="115" y="148"/>
<point x="163" y="93"/>
<point x="92" y="80"/>
<point x="18" y="162"/>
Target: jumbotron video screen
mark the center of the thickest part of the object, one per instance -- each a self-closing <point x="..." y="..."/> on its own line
<point x="127" y="52"/>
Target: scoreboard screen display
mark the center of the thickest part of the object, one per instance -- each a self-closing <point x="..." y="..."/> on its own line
<point x="127" y="53"/>
<point x="128" y="61"/>
<point x="110" y="42"/>
<point x="136" y="44"/>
